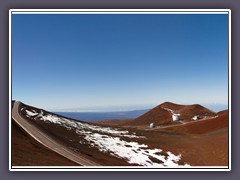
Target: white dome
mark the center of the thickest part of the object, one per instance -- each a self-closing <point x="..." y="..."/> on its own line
<point x="152" y="125"/>
<point x="195" y="118"/>
<point x="176" y="117"/>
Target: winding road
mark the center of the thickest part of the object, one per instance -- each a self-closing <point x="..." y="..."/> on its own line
<point x="48" y="141"/>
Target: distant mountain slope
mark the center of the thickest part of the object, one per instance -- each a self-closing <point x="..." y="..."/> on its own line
<point x="201" y="142"/>
<point x="103" y="145"/>
<point x="162" y="114"/>
<point x="223" y="113"/>
<point x="220" y="121"/>
<point x="188" y="111"/>
<point x="171" y="106"/>
<point x="157" y="115"/>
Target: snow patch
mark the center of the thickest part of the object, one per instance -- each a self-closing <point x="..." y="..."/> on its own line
<point x="30" y="113"/>
<point x="108" y="130"/>
<point x="110" y="140"/>
<point x="76" y="125"/>
<point x="133" y="152"/>
<point x="51" y="118"/>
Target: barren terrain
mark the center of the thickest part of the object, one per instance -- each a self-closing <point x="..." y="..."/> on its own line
<point x="129" y="142"/>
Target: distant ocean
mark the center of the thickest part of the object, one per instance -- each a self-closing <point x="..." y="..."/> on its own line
<point x="94" y="116"/>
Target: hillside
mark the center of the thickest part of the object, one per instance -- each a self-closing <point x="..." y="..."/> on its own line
<point x="202" y="142"/>
<point x="162" y="114"/>
<point x="105" y="146"/>
<point x="157" y="115"/>
<point x="203" y="126"/>
<point x="28" y="152"/>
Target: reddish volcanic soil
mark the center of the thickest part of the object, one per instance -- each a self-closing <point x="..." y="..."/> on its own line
<point x="171" y="105"/>
<point x="158" y="115"/>
<point x="203" y="126"/>
<point x="210" y="149"/>
<point x="162" y="115"/>
<point x="189" y="111"/>
<point x="28" y="152"/>
<point x="202" y="142"/>
<point x="70" y="139"/>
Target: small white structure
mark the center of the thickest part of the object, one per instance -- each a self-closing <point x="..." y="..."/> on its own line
<point x="195" y="118"/>
<point x="176" y="117"/>
<point x="152" y="125"/>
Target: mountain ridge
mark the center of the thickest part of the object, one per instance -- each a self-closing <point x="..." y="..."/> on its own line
<point x="162" y="114"/>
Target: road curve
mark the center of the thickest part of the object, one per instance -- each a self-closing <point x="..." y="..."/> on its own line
<point x="182" y="124"/>
<point x="47" y="141"/>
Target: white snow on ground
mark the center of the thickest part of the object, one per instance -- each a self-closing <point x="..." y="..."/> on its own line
<point x="108" y="130"/>
<point x="133" y="152"/>
<point x="110" y="140"/>
<point x="30" y="113"/>
<point x="51" y="118"/>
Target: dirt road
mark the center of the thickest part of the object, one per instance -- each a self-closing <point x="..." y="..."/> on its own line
<point x="47" y="141"/>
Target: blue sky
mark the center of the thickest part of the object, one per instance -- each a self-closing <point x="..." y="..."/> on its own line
<point x="110" y="62"/>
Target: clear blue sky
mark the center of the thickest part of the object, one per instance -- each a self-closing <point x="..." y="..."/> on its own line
<point x="119" y="61"/>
